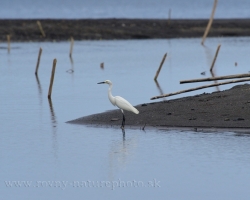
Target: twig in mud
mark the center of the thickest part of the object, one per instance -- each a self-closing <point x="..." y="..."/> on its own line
<point x="41" y="28"/>
<point x="8" y="40"/>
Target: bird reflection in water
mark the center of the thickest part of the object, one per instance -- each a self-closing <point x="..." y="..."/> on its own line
<point x="123" y="134"/>
<point x="120" y="153"/>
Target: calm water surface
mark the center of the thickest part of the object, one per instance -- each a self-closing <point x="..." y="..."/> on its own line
<point x="123" y="9"/>
<point x="60" y="160"/>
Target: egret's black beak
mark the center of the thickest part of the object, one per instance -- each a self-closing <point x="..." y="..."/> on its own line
<point x="101" y="83"/>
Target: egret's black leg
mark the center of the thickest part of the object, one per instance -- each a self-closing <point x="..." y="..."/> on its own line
<point x="123" y="121"/>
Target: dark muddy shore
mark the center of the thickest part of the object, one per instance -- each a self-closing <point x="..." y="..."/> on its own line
<point x="225" y="109"/>
<point x="110" y="29"/>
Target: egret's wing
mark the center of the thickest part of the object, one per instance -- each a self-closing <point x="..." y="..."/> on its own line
<point x="125" y="105"/>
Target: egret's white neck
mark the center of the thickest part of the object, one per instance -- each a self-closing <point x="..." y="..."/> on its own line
<point x="111" y="98"/>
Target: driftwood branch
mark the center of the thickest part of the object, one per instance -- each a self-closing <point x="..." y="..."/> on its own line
<point x="215" y="78"/>
<point x="201" y="87"/>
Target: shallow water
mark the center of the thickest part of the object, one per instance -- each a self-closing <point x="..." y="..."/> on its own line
<point x="62" y="160"/>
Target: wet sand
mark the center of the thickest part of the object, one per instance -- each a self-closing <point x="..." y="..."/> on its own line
<point x="225" y="109"/>
<point x="110" y="29"/>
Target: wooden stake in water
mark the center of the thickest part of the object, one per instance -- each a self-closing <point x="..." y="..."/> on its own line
<point x="8" y="40"/>
<point x="209" y="22"/>
<point x="52" y="78"/>
<point x="38" y="60"/>
<point x="215" y="56"/>
<point x="201" y="87"/>
<point x="159" y="69"/>
<point x="41" y="28"/>
<point x="169" y="16"/>
<point x="71" y="46"/>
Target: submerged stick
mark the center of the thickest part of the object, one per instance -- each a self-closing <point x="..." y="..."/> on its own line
<point x="198" y="88"/>
<point x="215" y="78"/>
<point x="52" y="78"/>
<point x="38" y="60"/>
<point x="102" y="65"/>
<point x="71" y="46"/>
<point x="8" y="40"/>
<point x="41" y="28"/>
<point x="159" y="69"/>
<point x="215" y="56"/>
<point x="209" y="23"/>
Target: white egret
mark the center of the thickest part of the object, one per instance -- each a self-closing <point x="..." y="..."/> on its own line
<point x="120" y="102"/>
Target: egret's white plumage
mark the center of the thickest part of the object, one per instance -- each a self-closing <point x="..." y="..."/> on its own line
<point x="125" y="105"/>
<point x="120" y="102"/>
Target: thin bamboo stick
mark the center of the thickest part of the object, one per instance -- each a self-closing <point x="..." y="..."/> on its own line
<point x="215" y="57"/>
<point x="159" y="69"/>
<point x="52" y="78"/>
<point x="8" y="40"/>
<point x="41" y="28"/>
<point x="169" y="16"/>
<point x="198" y="88"/>
<point x="215" y="78"/>
<point x="38" y="60"/>
<point x="71" y="46"/>
<point x="209" y="23"/>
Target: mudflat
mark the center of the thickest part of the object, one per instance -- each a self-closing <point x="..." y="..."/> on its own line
<point x="224" y="109"/>
<point x="111" y="29"/>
